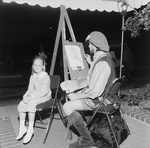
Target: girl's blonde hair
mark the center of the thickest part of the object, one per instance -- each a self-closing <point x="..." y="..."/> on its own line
<point x="42" y="56"/>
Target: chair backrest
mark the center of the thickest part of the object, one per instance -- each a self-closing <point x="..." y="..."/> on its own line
<point x="54" y="83"/>
<point x="115" y="87"/>
<point x="113" y="90"/>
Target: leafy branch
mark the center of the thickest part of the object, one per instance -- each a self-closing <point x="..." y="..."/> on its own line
<point x="140" y="20"/>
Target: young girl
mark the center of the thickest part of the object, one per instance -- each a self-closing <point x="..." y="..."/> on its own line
<point x="38" y="92"/>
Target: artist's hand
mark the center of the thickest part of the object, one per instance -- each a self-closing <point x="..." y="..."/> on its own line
<point x="88" y="58"/>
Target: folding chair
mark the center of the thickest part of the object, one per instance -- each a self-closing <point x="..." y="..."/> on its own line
<point x="51" y="105"/>
<point x="110" y="109"/>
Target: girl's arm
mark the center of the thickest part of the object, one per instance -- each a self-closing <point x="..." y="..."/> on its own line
<point x="30" y="88"/>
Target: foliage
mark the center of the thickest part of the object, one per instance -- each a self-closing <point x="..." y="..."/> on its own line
<point x="140" y="20"/>
<point x="138" y="98"/>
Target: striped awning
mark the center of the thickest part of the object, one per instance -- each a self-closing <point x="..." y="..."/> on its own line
<point x="92" y="5"/>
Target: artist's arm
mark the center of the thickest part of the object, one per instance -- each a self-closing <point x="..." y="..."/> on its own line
<point x="88" y="59"/>
<point x="97" y="82"/>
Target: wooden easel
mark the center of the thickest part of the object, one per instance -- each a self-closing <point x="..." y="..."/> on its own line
<point x="61" y="32"/>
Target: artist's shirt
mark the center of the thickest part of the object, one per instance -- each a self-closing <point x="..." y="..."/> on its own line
<point x="98" y="76"/>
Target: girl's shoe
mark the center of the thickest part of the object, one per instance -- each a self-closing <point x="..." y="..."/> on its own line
<point x="28" y="137"/>
<point x="22" y="132"/>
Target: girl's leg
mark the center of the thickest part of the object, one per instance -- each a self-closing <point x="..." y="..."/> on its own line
<point x="22" y="128"/>
<point x="30" y="132"/>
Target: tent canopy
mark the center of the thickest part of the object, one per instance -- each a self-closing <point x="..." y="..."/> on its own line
<point x="92" y="5"/>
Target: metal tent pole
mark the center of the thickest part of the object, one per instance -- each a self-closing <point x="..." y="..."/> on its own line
<point x="122" y="42"/>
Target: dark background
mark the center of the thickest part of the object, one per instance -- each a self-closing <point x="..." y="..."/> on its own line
<point x="25" y="29"/>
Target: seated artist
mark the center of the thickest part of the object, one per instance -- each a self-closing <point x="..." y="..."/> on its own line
<point x="100" y="76"/>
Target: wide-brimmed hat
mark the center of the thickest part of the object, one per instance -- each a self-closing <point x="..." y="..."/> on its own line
<point x="99" y="40"/>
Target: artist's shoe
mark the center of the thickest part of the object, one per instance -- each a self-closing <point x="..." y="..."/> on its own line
<point x="85" y="140"/>
<point x="82" y="143"/>
<point x="22" y="132"/>
<point x="28" y="137"/>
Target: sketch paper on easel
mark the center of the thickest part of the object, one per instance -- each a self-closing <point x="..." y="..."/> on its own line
<point x="74" y="57"/>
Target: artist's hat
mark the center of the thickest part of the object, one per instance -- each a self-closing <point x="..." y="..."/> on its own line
<point x="99" y="40"/>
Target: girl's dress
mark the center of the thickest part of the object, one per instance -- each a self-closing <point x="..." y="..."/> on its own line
<point x="39" y="90"/>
